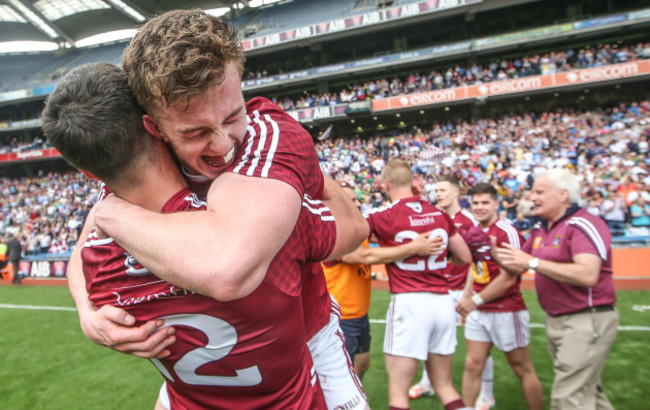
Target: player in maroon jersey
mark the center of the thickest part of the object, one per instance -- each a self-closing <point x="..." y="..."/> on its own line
<point x="447" y="199"/>
<point x="570" y="252"/>
<point x="228" y="353"/>
<point x="421" y="319"/>
<point x="214" y="134"/>
<point x="494" y="307"/>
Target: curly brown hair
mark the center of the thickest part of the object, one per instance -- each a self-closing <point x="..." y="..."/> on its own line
<point x="178" y="54"/>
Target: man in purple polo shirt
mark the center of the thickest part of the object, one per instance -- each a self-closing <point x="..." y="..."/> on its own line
<point x="570" y="252"/>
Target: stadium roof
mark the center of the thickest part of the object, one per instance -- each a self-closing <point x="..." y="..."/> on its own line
<point x="63" y="23"/>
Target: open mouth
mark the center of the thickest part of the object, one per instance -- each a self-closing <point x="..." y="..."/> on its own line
<point x="220" y="161"/>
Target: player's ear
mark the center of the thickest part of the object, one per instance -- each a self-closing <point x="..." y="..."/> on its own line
<point x="151" y="126"/>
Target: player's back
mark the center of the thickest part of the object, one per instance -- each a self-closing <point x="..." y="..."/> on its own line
<point x="401" y="222"/>
<point x="246" y="353"/>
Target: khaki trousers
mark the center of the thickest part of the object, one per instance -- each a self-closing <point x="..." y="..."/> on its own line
<point x="579" y="344"/>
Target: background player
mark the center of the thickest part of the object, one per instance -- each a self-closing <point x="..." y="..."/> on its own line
<point x="447" y="199"/>
<point x="501" y="319"/>
<point x="421" y="319"/>
<point x="349" y="282"/>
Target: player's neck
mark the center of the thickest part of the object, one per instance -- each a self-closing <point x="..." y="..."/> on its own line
<point x="157" y="192"/>
<point x="397" y="194"/>
<point x="452" y="209"/>
<point x="489" y="222"/>
<point x="156" y="184"/>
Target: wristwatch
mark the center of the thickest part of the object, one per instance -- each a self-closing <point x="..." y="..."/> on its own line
<point x="533" y="263"/>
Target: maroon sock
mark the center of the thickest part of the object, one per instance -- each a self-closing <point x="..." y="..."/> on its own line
<point x="456" y="404"/>
<point x="398" y="408"/>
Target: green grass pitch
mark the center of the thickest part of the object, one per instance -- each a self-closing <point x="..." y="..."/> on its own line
<point x="47" y="363"/>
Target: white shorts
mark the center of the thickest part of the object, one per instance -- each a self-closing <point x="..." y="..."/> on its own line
<point x="455" y="298"/>
<point x="163" y="396"/>
<point x="341" y="386"/>
<point x="505" y="330"/>
<point x="420" y="323"/>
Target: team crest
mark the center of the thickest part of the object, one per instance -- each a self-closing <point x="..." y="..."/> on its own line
<point x="537" y="242"/>
<point x="481" y="273"/>
<point x="556" y="241"/>
<point x="133" y="267"/>
<point x="415" y="206"/>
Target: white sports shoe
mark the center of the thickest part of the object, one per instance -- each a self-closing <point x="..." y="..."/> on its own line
<point x="419" y="390"/>
<point x="484" y="404"/>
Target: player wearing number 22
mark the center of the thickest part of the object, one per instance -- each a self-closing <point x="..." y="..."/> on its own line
<point x="421" y="321"/>
<point x="226" y="352"/>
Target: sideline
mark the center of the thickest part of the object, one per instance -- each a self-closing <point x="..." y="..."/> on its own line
<point x="375" y="321"/>
<point x="35" y="307"/>
<point x="541" y="326"/>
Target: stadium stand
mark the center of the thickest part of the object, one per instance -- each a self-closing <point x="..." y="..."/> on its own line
<point x="570" y="81"/>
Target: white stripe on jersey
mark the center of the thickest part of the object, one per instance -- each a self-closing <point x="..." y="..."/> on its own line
<point x="469" y="216"/>
<point x="249" y="147"/>
<point x="511" y="231"/>
<point x="380" y="209"/>
<point x="275" y="140"/>
<point x="317" y="208"/>
<point x="194" y="201"/>
<point x="139" y="285"/>
<point x="592" y="232"/>
<point x="260" y="146"/>
<point x="93" y="240"/>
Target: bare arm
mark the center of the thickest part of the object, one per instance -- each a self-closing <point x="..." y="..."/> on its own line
<point x="460" y="253"/>
<point x="422" y="246"/>
<point x="222" y="252"/>
<point x="111" y="326"/>
<point x="583" y="271"/>
<point x="75" y="275"/>
<point x="493" y="290"/>
<point x="351" y="226"/>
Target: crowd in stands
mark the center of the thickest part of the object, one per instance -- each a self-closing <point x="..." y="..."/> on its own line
<point x="20" y="145"/>
<point x="46" y="212"/>
<point x="606" y="148"/>
<point x="435" y="79"/>
<point x="456" y="76"/>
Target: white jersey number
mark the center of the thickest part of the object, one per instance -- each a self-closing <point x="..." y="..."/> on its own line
<point x="423" y="263"/>
<point x="222" y="337"/>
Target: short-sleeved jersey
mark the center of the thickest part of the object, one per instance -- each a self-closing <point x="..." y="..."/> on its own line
<point x="401" y="222"/>
<point x="457" y="274"/>
<point x="350" y="285"/>
<point x="485" y="271"/>
<point x="278" y="147"/>
<point x="577" y="232"/>
<point x="246" y="353"/>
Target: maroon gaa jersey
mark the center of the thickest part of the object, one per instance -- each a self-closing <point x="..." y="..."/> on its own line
<point x="277" y="146"/>
<point x="457" y="274"/>
<point x="246" y="353"/>
<point x="486" y="270"/>
<point x="577" y="232"/>
<point x="401" y="222"/>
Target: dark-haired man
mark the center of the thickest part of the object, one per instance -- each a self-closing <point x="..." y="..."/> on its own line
<point x="494" y="308"/>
